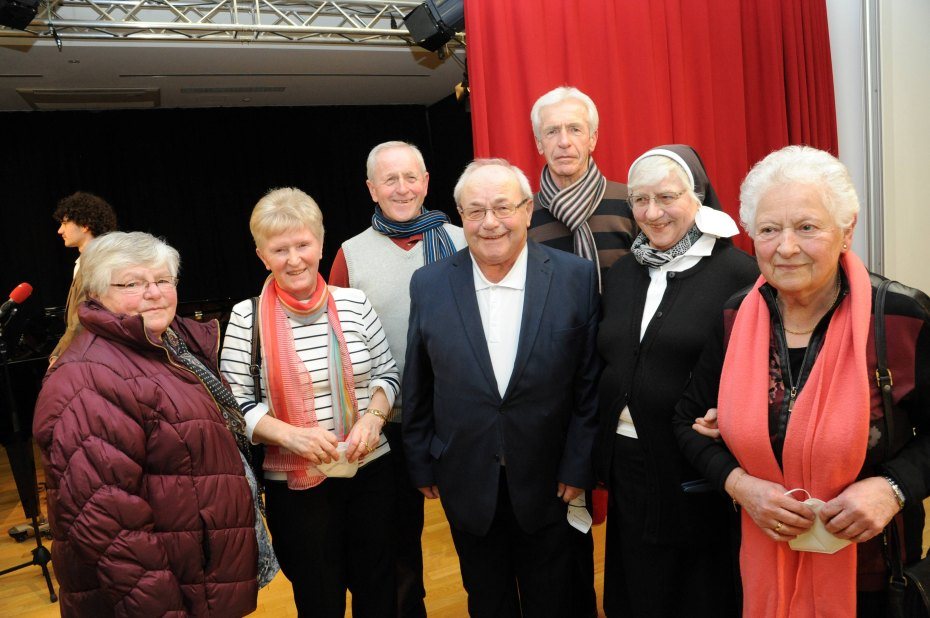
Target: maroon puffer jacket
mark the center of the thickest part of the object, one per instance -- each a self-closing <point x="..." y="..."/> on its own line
<point x="149" y="508"/>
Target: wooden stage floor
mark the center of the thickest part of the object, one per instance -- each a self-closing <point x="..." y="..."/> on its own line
<point x="24" y="593"/>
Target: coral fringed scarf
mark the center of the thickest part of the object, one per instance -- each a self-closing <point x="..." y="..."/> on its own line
<point x="289" y="385"/>
<point x="824" y="448"/>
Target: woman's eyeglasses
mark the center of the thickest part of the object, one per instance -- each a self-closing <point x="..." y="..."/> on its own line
<point x="666" y="198"/>
<point x="137" y="287"/>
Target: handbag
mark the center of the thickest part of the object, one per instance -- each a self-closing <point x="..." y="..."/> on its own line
<point x="908" y="586"/>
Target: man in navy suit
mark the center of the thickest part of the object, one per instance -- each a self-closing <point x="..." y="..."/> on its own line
<point x="500" y="398"/>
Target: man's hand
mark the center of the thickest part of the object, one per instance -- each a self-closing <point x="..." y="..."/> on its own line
<point x="431" y="492"/>
<point x="568" y="493"/>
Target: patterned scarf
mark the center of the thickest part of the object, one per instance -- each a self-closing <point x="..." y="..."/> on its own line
<point x="824" y="448"/>
<point x="268" y="565"/>
<point x="573" y="205"/>
<point x="289" y="385"/>
<point x="229" y="407"/>
<point x="436" y="242"/>
<point x="647" y="256"/>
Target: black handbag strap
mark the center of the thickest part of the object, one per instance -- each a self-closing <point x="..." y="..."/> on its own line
<point x="897" y="582"/>
<point x="883" y="378"/>
<point x="255" y="360"/>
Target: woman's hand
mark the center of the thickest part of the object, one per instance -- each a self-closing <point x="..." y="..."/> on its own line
<point x="366" y="433"/>
<point x="779" y="516"/>
<point x="861" y="511"/>
<point x="707" y="425"/>
<point x="364" y="437"/>
<point x="313" y="443"/>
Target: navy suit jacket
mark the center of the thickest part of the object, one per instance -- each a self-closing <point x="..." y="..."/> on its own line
<point x="456" y="426"/>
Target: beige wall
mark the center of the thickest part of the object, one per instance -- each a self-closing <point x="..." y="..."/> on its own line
<point x="905" y="61"/>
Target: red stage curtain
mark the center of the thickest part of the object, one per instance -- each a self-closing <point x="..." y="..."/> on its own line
<point x="736" y="79"/>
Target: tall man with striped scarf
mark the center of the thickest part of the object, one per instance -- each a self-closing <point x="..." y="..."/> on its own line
<point x="579" y="211"/>
<point x="380" y="261"/>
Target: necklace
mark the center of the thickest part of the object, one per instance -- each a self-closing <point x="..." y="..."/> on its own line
<point x="836" y="294"/>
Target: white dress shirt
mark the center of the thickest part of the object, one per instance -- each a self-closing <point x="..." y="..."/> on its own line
<point x="501" y="308"/>
<point x="714" y="224"/>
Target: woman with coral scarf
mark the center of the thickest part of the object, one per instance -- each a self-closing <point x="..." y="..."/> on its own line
<point x="805" y="451"/>
<point x="328" y="381"/>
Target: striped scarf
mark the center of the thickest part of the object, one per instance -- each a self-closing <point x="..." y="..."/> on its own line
<point x="436" y="242"/>
<point x="573" y="205"/>
<point x="289" y="384"/>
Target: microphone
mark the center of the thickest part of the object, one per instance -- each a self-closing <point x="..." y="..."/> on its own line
<point x="19" y="295"/>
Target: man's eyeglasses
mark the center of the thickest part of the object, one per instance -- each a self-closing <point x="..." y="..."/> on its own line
<point x="500" y="211"/>
<point x="666" y="198"/>
<point x="137" y="287"/>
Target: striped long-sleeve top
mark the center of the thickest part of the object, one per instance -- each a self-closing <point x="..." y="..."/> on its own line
<point x="373" y="366"/>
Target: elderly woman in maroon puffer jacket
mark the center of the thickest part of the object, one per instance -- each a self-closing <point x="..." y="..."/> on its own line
<point x="149" y="507"/>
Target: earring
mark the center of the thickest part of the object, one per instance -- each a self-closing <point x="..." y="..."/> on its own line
<point x="844" y="246"/>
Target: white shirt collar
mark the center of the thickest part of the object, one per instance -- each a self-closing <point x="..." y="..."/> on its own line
<point x="515" y="277"/>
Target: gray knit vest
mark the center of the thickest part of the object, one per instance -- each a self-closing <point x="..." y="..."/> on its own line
<point x="383" y="270"/>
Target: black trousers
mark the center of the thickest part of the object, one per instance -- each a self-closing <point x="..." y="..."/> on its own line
<point x="583" y="595"/>
<point x="508" y="572"/>
<point x="406" y="529"/>
<point x="333" y="537"/>
<point x="644" y="579"/>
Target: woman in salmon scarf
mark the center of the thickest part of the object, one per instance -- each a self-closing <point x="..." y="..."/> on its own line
<point x="797" y="406"/>
<point x="328" y="381"/>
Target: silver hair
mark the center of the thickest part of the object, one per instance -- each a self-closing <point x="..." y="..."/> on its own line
<point x="563" y="93"/>
<point x="479" y="163"/>
<point x="800" y="165"/>
<point x="372" y="160"/>
<point x="654" y="169"/>
<point x="283" y="210"/>
<point x="116" y="251"/>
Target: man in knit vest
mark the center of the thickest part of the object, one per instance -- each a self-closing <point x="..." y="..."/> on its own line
<point x="579" y="211"/>
<point x="380" y="261"/>
<point x="82" y="217"/>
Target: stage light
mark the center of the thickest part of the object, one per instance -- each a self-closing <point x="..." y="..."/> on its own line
<point x="17" y="13"/>
<point x="435" y="22"/>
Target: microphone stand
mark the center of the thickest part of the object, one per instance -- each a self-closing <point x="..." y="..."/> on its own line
<point x="40" y="555"/>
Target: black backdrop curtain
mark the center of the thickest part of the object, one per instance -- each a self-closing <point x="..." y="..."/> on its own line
<point x="192" y="176"/>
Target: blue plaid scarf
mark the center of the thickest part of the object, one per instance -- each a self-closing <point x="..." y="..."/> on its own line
<point x="436" y="242"/>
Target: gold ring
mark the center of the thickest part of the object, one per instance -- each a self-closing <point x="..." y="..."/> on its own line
<point x="777" y="527"/>
<point x="366" y="445"/>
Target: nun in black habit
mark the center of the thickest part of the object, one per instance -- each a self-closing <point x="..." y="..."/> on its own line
<point x="669" y="536"/>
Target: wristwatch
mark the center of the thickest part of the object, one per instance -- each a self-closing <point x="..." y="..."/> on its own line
<point x="897" y="491"/>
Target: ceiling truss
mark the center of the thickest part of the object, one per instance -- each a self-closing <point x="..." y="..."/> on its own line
<point x="261" y="21"/>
